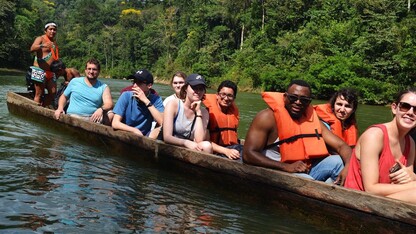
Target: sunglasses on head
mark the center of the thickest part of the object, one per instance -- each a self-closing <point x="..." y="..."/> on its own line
<point x="293" y="98"/>
<point x="405" y="107"/>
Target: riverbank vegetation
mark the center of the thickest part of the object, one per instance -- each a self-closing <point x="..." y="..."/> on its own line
<point x="261" y="44"/>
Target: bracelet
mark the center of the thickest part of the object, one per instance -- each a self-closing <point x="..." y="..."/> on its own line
<point x="149" y="105"/>
<point x="102" y="108"/>
<point x="41" y="46"/>
<point x="198" y="116"/>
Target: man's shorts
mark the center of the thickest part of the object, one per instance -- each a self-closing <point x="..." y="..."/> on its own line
<point x="39" y="75"/>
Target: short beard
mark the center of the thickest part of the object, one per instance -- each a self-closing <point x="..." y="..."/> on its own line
<point x="295" y="116"/>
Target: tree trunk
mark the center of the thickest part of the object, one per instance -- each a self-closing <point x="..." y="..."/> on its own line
<point x="408" y="5"/>
<point x="262" y="18"/>
<point x="242" y="38"/>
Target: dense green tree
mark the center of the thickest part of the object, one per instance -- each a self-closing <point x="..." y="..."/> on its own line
<point x="262" y="44"/>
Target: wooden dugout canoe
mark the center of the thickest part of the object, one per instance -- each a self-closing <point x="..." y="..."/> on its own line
<point x="380" y="207"/>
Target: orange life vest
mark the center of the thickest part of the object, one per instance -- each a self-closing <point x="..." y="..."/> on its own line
<point x="300" y="139"/>
<point x="349" y="135"/>
<point x="222" y="126"/>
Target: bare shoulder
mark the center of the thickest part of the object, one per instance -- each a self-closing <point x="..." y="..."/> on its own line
<point x="171" y="107"/>
<point x="264" y="118"/>
<point x="74" y="72"/>
<point x="372" y="134"/>
<point x="264" y="114"/>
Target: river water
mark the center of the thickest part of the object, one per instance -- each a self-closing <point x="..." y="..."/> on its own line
<point x="58" y="181"/>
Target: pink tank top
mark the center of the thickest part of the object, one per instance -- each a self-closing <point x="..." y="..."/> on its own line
<point x="386" y="161"/>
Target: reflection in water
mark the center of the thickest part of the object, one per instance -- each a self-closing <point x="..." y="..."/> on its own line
<point x="53" y="180"/>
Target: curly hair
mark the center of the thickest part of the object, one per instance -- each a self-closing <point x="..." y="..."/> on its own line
<point x="351" y="96"/>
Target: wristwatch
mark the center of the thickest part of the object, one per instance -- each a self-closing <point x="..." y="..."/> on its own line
<point x="149" y="105"/>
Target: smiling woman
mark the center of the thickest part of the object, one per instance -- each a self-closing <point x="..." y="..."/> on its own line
<point x="380" y="147"/>
<point x="185" y="122"/>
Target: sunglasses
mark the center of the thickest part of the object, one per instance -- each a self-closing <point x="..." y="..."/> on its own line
<point x="405" y="107"/>
<point x="293" y="98"/>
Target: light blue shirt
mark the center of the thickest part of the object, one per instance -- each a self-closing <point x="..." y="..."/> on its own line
<point x="83" y="99"/>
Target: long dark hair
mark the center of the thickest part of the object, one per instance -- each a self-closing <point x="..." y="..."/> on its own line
<point x="351" y="96"/>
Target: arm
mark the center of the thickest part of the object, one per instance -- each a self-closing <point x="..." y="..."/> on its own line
<point x="117" y="124"/>
<point x="97" y="116"/>
<point x="156" y="110"/>
<point x="61" y="105"/>
<point x="201" y="124"/>
<point x="72" y="73"/>
<point x="156" y="114"/>
<point x="406" y="173"/>
<point x="230" y="153"/>
<point x="168" y="117"/>
<point x="262" y="132"/>
<point x="341" y="148"/>
<point x="36" y="45"/>
<point x="370" y="147"/>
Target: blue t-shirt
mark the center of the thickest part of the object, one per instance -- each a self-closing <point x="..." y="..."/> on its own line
<point x="136" y="114"/>
<point x="83" y="99"/>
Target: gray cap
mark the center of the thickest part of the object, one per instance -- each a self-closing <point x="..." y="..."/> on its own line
<point x="195" y="79"/>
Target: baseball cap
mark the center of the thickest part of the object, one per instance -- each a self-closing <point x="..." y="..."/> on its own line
<point x="195" y="79"/>
<point x="142" y="75"/>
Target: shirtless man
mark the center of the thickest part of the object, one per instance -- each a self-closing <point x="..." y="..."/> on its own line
<point x="303" y="138"/>
<point x="46" y="51"/>
<point x="58" y="67"/>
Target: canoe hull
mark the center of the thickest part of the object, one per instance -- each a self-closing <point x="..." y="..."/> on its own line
<point x="385" y="208"/>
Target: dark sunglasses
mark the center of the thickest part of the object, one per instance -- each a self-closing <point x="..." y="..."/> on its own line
<point x="293" y="98"/>
<point x="405" y="107"/>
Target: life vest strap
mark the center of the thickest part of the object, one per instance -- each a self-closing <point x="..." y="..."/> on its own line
<point x="294" y="138"/>
<point x="217" y="129"/>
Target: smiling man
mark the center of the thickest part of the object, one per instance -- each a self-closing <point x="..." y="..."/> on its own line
<point x="135" y="110"/>
<point x="288" y="136"/>
<point x="89" y="98"/>
<point x="223" y="120"/>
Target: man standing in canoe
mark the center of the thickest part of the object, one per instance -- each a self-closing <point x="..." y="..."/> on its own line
<point x="47" y="51"/>
<point x="289" y="136"/>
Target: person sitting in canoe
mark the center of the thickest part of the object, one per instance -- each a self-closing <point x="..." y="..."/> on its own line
<point x="136" y="110"/>
<point x="223" y="120"/>
<point x="383" y="159"/>
<point x="47" y="51"/>
<point x="289" y="136"/>
<point x="177" y="81"/>
<point x="58" y="67"/>
<point x="184" y="120"/>
<point x="89" y="98"/>
<point x="339" y="114"/>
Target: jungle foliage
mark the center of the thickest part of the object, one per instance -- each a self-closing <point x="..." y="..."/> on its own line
<point x="260" y="44"/>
